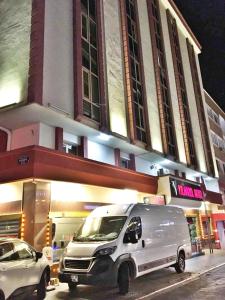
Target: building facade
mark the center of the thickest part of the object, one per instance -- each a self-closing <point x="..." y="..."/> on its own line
<point x="99" y="99"/>
<point x="216" y="118"/>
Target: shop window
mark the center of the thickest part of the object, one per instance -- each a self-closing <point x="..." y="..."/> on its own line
<point x="192" y="228"/>
<point x="124" y="163"/>
<point x="206" y="227"/>
<point x="69" y="148"/>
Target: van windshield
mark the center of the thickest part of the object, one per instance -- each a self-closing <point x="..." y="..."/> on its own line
<point x="100" y="229"/>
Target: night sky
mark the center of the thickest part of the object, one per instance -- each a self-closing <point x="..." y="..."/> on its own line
<point x="206" y="19"/>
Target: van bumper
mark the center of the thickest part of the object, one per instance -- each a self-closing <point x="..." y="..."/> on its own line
<point x="103" y="272"/>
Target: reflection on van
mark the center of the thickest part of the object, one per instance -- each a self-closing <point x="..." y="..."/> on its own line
<point x="63" y="230"/>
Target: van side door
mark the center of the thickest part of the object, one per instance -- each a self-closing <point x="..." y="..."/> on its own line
<point x="133" y="241"/>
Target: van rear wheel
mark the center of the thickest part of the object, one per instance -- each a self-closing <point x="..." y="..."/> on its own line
<point x="72" y="286"/>
<point x="180" y="264"/>
<point x="124" y="279"/>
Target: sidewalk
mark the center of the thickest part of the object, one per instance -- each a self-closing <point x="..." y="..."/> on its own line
<point x="196" y="267"/>
<point x="203" y="263"/>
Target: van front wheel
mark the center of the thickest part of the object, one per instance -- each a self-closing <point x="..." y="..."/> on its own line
<point x="124" y="279"/>
<point x="180" y="264"/>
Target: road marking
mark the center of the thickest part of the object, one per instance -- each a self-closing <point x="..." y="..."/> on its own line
<point x="183" y="282"/>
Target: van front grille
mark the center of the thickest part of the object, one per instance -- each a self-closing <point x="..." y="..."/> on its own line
<point x="77" y="264"/>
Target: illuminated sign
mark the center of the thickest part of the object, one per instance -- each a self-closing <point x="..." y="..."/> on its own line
<point x="185" y="190"/>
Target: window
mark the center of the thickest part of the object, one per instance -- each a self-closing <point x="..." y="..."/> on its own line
<point x="181" y="91"/>
<point x="134" y="226"/>
<point x="213" y="115"/>
<point x="132" y="54"/>
<point x="124" y="163"/>
<point x="69" y="148"/>
<point x="162" y="82"/>
<point x="200" y="108"/>
<point x="90" y="76"/>
<point x="224" y="168"/>
<point x="23" y="251"/>
<point x="6" y="251"/>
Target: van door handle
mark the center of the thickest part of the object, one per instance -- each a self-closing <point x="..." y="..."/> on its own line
<point x="143" y="243"/>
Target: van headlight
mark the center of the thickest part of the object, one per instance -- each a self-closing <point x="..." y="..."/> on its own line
<point x="105" y="251"/>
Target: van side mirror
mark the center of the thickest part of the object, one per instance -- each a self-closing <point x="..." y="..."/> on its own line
<point x="38" y="255"/>
<point x="130" y="237"/>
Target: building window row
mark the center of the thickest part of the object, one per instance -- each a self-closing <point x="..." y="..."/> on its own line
<point x="213" y="116"/>
<point x="217" y="141"/>
<point x="93" y="77"/>
<point x="181" y="91"/>
<point x="162" y="82"/>
<point x="90" y="76"/>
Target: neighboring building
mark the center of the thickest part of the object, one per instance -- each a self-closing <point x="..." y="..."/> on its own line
<point x="216" y="118"/>
<point x="98" y="98"/>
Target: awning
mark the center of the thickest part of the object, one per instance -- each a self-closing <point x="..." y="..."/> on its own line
<point x="44" y="163"/>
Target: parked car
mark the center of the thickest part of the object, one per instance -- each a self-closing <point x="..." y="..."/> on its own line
<point x="121" y="242"/>
<point x="22" y="270"/>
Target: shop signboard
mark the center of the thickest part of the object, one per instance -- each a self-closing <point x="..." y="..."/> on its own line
<point x="185" y="190"/>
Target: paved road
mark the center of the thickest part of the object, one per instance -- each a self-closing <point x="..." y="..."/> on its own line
<point x="140" y="287"/>
<point x="208" y="287"/>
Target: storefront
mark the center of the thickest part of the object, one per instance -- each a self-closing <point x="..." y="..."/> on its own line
<point x="200" y="208"/>
<point x="11" y="209"/>
<point x="55" y="192"/>
<point x="189" y="196"/>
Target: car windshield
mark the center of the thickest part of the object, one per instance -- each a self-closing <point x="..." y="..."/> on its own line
<point x="100" y="229"/>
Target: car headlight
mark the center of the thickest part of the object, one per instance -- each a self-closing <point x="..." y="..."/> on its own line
<point x="105" y="251"/>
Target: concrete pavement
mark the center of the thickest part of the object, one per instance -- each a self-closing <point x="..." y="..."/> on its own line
<point x="148" y="286"/>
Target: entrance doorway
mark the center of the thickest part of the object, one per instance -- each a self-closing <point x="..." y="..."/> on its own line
<point x="63" y="230"/>
<point x="221" y="232"/>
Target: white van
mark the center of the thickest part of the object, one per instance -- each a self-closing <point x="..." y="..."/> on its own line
<point x="117" y="243"/>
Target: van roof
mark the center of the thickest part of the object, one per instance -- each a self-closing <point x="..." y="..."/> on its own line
<point x="125" y="209"/>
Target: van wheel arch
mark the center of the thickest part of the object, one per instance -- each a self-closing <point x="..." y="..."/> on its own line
<point x="127" y="259"/>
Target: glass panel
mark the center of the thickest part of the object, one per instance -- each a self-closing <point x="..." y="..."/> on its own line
<point x="6" y="251"/>
<point x="84" y="5"/>
<point x="84" y="27"/>
<point x="85" y="55"/>
<point x="95" y="89"/>
<point x="94" y="61"/>
<point x="100" y="229"/>
<point x="92" y="9"/>
<point x="85" y="84"/>
<point x="95" y="113"/>
<point x="93" y="34"/>
<point x="23" y="251"/>
<point x="87" y="108"/>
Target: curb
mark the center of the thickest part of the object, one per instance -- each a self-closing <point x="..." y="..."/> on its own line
<point x="180" y="283"/>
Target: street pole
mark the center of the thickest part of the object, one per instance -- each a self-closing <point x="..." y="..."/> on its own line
<point x="208" y="226"/>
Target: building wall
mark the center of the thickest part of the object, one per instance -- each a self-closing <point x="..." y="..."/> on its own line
<point x="25" y="136"/>
<point x="47" y="136"/>
<point x="15" y="29"/>
<point x="114" y="68"/>
<point x="150" y="84"/>
<point x="58" y="55"/>
<point x="101" y="153"/>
